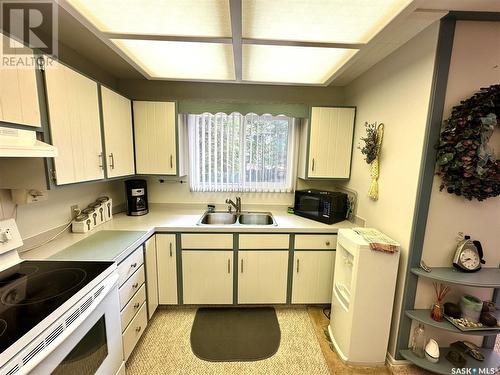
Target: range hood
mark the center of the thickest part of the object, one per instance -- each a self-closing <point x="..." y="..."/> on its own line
<point x="19" y="143"/>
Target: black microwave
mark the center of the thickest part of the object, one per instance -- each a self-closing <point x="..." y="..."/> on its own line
<point x="326" y="206"/>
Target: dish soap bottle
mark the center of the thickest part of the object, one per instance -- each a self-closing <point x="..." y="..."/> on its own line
<point x="418" y="341"/>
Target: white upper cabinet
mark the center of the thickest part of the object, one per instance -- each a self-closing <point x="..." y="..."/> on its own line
<point x="19" y="94"/>
<point x="326" y="143"/>
<point x="118" y="137"/>
<point x="75" y="127"/>
<point x="155" y="137"/>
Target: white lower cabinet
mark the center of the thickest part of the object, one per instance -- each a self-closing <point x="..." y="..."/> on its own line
<point x="151" y="275"/>
<point x="167" y="269"/>
<point x="134" y="331"/>
<point x="207" y="276"/>
<point x="262" y="276"/>
<point x="312" y="276"/>
<point x="132" y="292"/>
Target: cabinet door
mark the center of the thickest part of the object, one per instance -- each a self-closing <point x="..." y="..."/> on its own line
<point x="207" y="276"/>
<point x="118" y="139"/>
<point x="330" y="142"/>
<point x="167" y="269"/>
<point x="151" y="275"/>
<point x="155" y="137"/>
<point x="19" y="93"/>
<point x="262" y="276"/>
<point x="75" y="125"/>
<point x="312" y="276"/>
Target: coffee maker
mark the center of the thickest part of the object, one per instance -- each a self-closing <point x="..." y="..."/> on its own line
<point x="137" y="197"/>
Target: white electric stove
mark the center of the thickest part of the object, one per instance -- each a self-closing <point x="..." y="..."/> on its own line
<point x="57" y="317"/>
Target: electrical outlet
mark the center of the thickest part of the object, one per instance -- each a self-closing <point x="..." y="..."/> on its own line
<point x="74" y="211"/>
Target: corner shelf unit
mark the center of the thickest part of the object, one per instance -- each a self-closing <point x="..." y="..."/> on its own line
<point x="485" y="278"/>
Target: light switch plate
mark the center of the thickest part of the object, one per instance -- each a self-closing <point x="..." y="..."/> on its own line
<point x="10" y="238"/>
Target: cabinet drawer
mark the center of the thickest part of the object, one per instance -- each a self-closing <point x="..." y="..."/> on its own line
<point x="264" y="241"/>
<point x="134" y="331"/>
<point x="130" y="265"/>
<point x="316" y="242"/>
<point x="207" y="241"/>
<point x="131" y="286"/>
<point x="133" y="306"/>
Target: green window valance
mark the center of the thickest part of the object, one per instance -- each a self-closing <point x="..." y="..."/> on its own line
<point x="197" y="107"/>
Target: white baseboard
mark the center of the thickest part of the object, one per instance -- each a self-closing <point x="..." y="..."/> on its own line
<point x="391" y="361"/>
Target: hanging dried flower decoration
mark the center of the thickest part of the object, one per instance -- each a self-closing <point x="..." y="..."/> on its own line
<point x="370" y="148"/>
<point x="466" y="163"/>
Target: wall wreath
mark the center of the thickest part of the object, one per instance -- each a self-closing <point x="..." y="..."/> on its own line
<point x="465" y="162"/>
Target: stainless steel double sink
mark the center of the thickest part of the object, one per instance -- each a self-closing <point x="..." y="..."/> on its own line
<point x="237" y="219"/>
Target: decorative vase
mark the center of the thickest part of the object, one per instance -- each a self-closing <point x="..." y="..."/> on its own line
<point x="437" y="312"/>
<point x="418" y="341"/>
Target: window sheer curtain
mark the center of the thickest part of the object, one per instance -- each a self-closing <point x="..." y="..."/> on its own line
<point x="241" y="153"/>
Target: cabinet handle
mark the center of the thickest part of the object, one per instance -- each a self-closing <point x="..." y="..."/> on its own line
<point x="101" y="164"/>
<point x="133" y="265"/>
<point x="170" y="249"/>
<point x="171" y="161"/>
<point x="135" y="285"/>
<point x="297" y="266"/>
<point x="327" y="243"/>
<point x="136" y="306"/>
<point x="229" y="266"/>
<point x="242" y="266"/>
<point x="112" y="161"/>
<point x="312" y="168"/>
<point x="138" y="329"/>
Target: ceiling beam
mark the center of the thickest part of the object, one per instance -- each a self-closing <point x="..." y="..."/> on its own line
<point x="170" y="38"/>
<point x="271" y="42"/>
<point x="236" y="26"/>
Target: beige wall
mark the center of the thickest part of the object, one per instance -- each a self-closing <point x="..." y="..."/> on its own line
<point x="395" y="92"/>
<point x="171" y="191"/>
<point x="167" y="90"/>
<point x="474" y="64"/>
<point x="36" y="218"/>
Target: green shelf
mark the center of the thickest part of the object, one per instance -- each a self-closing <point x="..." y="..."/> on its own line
<point x="484" y="278"/>
<point x="424" y="316"/>
<point x="491" y="361"/>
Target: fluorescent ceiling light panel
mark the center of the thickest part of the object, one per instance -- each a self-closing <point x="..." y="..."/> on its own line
<point x="158" y="17"/>
<point x="333" y="21"/>
<point x="287" y="64"/>
<point x="180" y="60"/>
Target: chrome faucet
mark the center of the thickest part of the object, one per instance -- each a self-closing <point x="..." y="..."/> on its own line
<point x="237" y="205"/>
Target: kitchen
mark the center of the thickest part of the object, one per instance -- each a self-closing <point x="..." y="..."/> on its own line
<point x="117" y="118"/>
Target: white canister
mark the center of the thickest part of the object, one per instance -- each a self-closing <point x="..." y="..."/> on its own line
<point x="99" y="209"/>
<point x="91" y="212"/>
<point x="82" y="224"/>
<point x="107" y="204"/>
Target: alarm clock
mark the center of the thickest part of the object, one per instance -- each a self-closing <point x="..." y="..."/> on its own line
<point x="468" y="255"/>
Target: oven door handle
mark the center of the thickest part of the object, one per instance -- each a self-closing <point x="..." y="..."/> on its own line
<point x="111" y="282"/>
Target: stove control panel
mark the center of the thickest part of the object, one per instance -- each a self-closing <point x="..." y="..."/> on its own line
<point x="10" y="238"/>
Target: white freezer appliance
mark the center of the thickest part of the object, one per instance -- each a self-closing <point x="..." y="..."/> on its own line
<point x="362" y="300"/>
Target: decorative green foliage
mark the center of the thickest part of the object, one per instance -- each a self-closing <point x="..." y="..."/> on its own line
<point x="370" y="148"/>
<point x="465" y="162"/>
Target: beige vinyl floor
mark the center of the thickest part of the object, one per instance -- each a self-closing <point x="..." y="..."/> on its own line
<point x="304" y="349"/>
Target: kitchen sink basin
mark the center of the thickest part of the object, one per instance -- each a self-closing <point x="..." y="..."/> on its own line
<point x="218" y="218"/>
<point x="233" y="219"/>
<point x="254" y="218"/>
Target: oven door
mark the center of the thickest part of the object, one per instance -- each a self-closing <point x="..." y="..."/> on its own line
<point x="94" y="347"/>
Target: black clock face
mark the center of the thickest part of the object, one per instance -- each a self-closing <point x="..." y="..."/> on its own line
<point x="469" y="259"/>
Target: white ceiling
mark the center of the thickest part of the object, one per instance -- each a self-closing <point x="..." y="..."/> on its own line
<point x="231" y="40"/>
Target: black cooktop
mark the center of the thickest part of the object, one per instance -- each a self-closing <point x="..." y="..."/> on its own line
<point x="31" y="290"/>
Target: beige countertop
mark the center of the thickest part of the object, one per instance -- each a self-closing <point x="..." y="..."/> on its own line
<point x="180" y="218"/>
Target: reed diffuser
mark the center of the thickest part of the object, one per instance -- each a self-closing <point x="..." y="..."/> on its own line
<point x="437" y="311"/>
